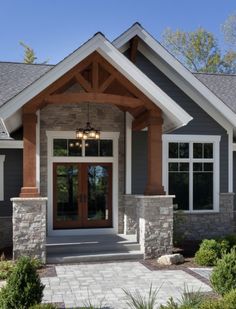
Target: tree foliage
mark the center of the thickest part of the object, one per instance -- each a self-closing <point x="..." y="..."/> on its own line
<point x="229" y="29"/>
<point x="29" y="54"/>
<point x="198" y="51"/>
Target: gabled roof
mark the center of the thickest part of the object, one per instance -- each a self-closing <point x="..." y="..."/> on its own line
<point x="136" y="30"/>
<point x="171" y="110"/>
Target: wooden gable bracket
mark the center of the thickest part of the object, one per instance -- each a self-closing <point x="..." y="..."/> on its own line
<point x="134" y="48"/>
<point x="143" y="120"/>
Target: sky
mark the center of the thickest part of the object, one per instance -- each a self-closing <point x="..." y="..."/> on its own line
<point x="54" y="28"/>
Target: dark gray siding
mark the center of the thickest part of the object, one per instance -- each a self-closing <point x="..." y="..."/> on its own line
<point x="139" y="162"/>
<point x="202" y="123"/>
<point x="12" y="178"/>
<point x="234" y="178"/>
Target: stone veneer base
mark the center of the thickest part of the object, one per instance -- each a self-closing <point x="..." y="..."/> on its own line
<point x="29" y="227"/>
<point x="152" y="218"/>
<point x="197" y="226"/>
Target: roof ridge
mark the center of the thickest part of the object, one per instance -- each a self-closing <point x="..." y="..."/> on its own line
<point x="16" y="62"/>
<point x="219" y="74"/>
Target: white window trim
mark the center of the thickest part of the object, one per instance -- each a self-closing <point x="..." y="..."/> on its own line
<point x="2" y="159"/>
<point x="178" y="138"/>
<point x="114" y="136"/>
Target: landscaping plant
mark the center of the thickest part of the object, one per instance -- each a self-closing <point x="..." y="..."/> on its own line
<point x="6" y="268"/>
<point x="23" y="288"/>
<point x="138" y="301"/>
<point x="44" y="306"/>
<point x="223" y="278"/>
<point x="209" y="252"/>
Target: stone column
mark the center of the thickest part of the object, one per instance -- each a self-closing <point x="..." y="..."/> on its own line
<point x="29" y="227"/>
<point x="130" y="214"/>
<point x="155" y="225"/>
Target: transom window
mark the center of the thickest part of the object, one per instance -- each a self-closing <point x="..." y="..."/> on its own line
<point x="78" y="148"/>
<point x="192" y="168"/>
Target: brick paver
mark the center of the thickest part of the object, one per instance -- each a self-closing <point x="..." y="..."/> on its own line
<point x="104" y="283"/>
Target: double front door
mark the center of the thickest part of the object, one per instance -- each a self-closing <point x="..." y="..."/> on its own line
<point x="82" y="195"/>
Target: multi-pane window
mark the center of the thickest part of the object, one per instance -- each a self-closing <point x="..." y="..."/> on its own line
<point x="191" y="168"/>
<point x="2" y="159"/>
<point x="78" y="148"/>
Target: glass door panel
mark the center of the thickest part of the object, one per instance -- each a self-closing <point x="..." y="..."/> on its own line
<point x="66" y="193"/>
<point x="99" y="197"/>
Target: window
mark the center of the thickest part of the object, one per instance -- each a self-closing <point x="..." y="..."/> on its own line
<point x="192" y="171"/>
<point x="78" y="148"/>
<point x="2" y="159"/>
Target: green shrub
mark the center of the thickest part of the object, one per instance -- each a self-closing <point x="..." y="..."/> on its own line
<point x="212" y="304"/>
<point x="229" y="300"/>
<point x="223" y="278"/>
<point x="44" y="306"/>
<point x="23" y="288"/>
<point x="6" y="268"/>
<point x="231" y="240"/>
<point x="209" y="252"/>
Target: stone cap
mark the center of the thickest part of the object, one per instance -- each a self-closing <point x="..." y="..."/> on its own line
<point x="21" y="199"/>
<point x="150" y="196"/>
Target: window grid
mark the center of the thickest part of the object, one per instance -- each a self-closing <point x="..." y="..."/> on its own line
<point x="192" y="160"/>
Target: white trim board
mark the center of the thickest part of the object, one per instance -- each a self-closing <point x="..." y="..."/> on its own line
<point x="215" y="139"/>
<point x="11" y="144"/>
<point x="115" y="181"/>
<point x="171" y="110"/>
<point x="158" y="49"/>
<point x="2" y="160"/>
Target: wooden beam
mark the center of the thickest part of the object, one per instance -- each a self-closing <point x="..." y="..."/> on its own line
<point x="133" y="48"/>
<point x="83" y="82"/>
<point x="106" y="83"/>
<point x="29" y="188"/>
<point x="95" y="76"/>
<point x="141" y="122"/>
<point x="154" y="156"/>
<point x="80" y="97"/>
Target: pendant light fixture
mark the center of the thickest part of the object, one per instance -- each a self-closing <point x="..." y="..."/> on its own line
<point x="88" y="132"/>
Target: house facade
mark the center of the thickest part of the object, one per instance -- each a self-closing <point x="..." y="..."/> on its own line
<point x="165" y="147"/>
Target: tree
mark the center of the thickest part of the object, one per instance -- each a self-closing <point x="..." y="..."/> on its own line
<point x="198" y="51"/>
<point x="229" y="29"/>
<point x="29" y="56"/>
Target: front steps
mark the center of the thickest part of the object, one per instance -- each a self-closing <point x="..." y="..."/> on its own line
<point x="92" y="248"/>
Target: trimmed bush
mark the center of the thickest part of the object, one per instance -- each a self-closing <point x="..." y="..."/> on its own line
<point x="209" y="252"/>
<point x="229" y="300"/>
<point x="6" y="268"/>
<point x="223" y="278"/>
<point x="44" y="306"/>
<point x="23" y="288"/>
<point x="212" y="304"/>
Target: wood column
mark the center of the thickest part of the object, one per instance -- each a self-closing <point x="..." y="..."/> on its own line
<point x="154" y="156"/>
<point x="29" y="188"/>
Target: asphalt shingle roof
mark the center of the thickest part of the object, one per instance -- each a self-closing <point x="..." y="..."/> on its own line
<point x="222" y="85"/>
<point x="14" y="77"/>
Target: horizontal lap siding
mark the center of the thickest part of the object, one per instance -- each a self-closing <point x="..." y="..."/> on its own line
<point x="202" y="123"/>
<point x="12" y="178"/>
<point x="139" y="162"/>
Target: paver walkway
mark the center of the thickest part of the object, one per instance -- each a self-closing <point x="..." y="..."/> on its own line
<point x="204" y="272"/>
<point x="75" y="284"/>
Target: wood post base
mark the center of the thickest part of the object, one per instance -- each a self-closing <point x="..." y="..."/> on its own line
<point x="29" y="192"/>
<point x="150" y="190"/>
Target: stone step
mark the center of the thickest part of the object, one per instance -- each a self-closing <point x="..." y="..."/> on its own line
<point x="92" y="248"/>
<point x="99" y="257"/>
